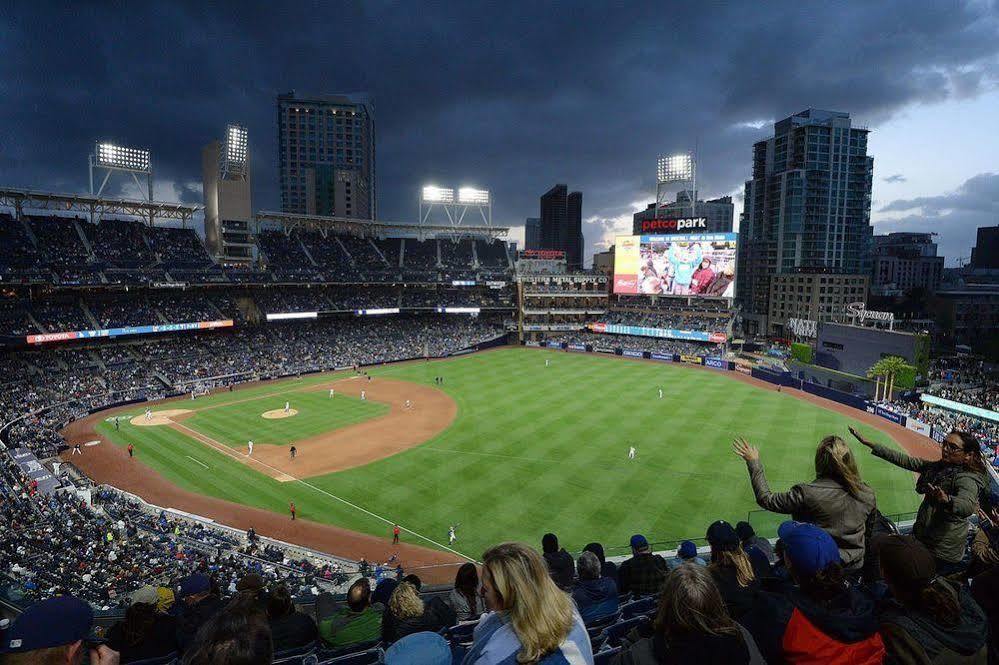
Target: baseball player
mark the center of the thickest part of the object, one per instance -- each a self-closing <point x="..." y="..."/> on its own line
<point x="76" y="449"/>
<point x="451" y="536"/>
<point x="548" y="362"/>
<point x="332" y="392"/>
<point x="131" y="451"/>
<point x="149" y="415"/>
<point x="631" y="452"/>
<point x="287" y="407"/>
<point x="291" y="509"/>
<point x="116" y="423"/>
<point x="395" y="534"/>
<point x="249" y="445"/>
<point x="294" y="451"/>
<point x="660" y="393"/>
<point x="363" y="397"/>
<point x="409" y="405"/>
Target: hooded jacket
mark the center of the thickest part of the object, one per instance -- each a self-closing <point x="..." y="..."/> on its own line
<point x="943" y="528"/>
<point x="595" y="599"/>
<point x="826" y="504"/>
<point x="914" y="638"/>
<point x="561" y="567"/>
<point x="792" y="628"/>
<point x="702" y="649"/>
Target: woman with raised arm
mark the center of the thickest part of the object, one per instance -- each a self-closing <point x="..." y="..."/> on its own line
<point x="950" y="489"/>
<point x="837" y="500"/>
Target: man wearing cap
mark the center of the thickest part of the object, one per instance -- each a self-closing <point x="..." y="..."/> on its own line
<point x="145" y="632"/>
<point x="819" y="618"/>
<point x="686" y="553"/>
<point x="198" y="605"/>
<point x="644" y="573"/>
<point x="561" y="566"/>
<point x="56" y="631"/>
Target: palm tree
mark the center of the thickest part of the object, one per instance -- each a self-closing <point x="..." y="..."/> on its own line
<point x="884" y="372"/>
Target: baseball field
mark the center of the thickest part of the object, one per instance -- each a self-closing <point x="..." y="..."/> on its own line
<point x="505" y="448"/>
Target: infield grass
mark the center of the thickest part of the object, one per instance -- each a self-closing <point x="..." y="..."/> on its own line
<point x="533" y="450"/>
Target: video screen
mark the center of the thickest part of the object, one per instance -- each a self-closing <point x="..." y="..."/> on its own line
<point x="693" y="265"/>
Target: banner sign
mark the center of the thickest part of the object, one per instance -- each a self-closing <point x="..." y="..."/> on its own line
<point x="458" y="310"/>
<point x="668" y="357"/>
<point x="744" y="369"/>
<point x="803" y="327"/>
<point x="462" y="282"/>
<point x="939" y="435"/>
<point x="896" y="418"/>
<point x="127" y="330"/>
<point x="917" y="426"/>
<point x="717" y="363"/>
<point x="958" y="406"/>
<point x="554" y="345"/>
<point x="576" y="347"/>
<point x="495" y="285"/>
<point x="383" y="310"/>
<point x="693" y="360"/>
<point x="673" y="225"/>
<point x="292" y="315"/>
<point x="535" y="344"/>
<point x="547" y="254"/>
<point x="629" y="353"/>
<point x="603" y="349"/>
<point x="666" y="333"/>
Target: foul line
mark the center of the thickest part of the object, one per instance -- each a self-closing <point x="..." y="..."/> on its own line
<point x="196" y="461"/>
<point x="223" y="448"/>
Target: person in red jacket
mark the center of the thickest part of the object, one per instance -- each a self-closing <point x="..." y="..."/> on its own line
<point x="131" y="451"/>
<point x="819" y="618"/>
<point x="395" y="535"/>
<point x="291" y="509"/>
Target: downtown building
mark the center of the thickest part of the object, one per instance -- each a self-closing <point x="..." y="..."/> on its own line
<point x="718" y="216"/>
<point x="326" y="155"/>
<point x="532" y="233"/>
<point x="805" y="237"/>
<point x="903" y="262"/>
<point x="561" y="226"/>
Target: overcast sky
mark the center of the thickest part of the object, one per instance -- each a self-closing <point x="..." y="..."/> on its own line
<point x="516" y="97"/>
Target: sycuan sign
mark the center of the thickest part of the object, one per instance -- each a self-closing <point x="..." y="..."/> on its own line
<point x="858" y="312"/>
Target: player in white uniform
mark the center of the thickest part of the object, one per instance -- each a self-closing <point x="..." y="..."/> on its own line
<point x="331" y="393"/>
<point x="287" y="407"/>
<point x="363" y="396"/>
<point x="249" y="445"/>
<point x="451" y="537"/>
<point x="631" y="452"/>
<point x="547" y="362"/>
<point x="409" y="405"/>
<point x="149" y="415"/>
<point x="660" y="393"/>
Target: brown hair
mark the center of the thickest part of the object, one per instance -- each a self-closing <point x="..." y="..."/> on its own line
<point x="50" y="656"/>
<point x="466" y="582"/>
<point x="734" y="559"/>
<point x="692" y="605"/>
<point x="834" y="459"/>
<point x="825" y="585"/>
<point x="973" y="451"/>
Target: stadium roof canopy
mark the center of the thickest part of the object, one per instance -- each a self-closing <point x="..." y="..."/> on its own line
<point x="95" y="207"/>
<point x="368" y="227"/>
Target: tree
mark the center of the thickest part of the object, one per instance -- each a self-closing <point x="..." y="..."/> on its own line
<point x="884" y="372"/>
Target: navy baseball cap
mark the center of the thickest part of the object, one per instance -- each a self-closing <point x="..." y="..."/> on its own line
<point x="50" y="623"/>
<point x="194" y="584"/>
<point x="809" y="548"/>
<point x="722" y="536"/>
<point x="688" y="550"/>
<point x="638" y="542"/>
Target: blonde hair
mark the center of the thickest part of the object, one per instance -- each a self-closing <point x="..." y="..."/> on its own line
<point x="734" y="559"/>
<point x="405" y="602"/>
<point x="540" y="613"/>
<point x="691" y="604"/>
<point x="834" y="459"/>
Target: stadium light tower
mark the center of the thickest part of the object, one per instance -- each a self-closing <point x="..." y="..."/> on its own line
<point x="680" y="167"/>
<point x="110" y="157"/>
<point x="232" y="161"/>
<point x="455" y="207"/>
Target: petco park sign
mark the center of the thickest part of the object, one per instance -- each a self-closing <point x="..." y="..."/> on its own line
<point x="680" y="224"/>
<point x="858" y="312"/>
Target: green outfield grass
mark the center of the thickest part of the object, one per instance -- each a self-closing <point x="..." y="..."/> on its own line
<point x="533" y="450"/>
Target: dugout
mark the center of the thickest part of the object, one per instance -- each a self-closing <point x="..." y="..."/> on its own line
<point x="854" y="349"/>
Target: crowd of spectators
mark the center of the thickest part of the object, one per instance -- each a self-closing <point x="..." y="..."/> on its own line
<point x="677" y="320"/>
<point x="637" y="343"/>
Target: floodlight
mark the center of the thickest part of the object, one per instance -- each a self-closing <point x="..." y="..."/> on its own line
<point x="676" y="168"/>
<point x="473" y="196"/>
<point x="121" y="157"/>
<point x="432" y="194"/>
<point x="235" y="144"/>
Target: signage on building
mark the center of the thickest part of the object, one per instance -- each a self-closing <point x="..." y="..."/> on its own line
<point x="803" y="327"/>
<point x="858" y="312"/>
<point x="547" y="254"/>
<point x="677" y="224"/>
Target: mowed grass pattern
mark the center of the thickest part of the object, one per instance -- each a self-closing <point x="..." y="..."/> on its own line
<point x="538" y="449"/>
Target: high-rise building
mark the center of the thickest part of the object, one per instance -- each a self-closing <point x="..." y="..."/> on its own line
<point x="225" y="184"/>
<point x="326" y="155"/>
<point x="718" y="214"/>
<point x="985" y="254"/>
<point x="905" y="261"/>
<point x="807" y="208"/>
<point x="532" y="233"/>
<point x="562" y="224"/>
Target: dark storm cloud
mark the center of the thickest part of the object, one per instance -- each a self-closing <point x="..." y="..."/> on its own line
<point x="509" y="97"/>
<point x="954" y="216"/>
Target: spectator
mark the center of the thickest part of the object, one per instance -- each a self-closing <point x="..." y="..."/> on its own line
<point x="595" y="596"/>
<point x="819" y="618"/>
<point x="144" y="632"/>
<point x="737" y="576"/>
<point x="251" y="587"/>
<point x="643" y="574"/>
<point x="560" y="563"/>
<point x="607" y="568"/>
<point x="747" y="534"/>
<point x="406" y="613"/>
<point x="199" y="605"/>
<point x="464" y="598"/>
<point x="929" y="619"/>
<point x="686" y="553"/>
<point x="985" y="591"/>
<point x="360" y="622"/>
<point x="236" y="635"/>
<point x="837" y="500"/>
<point x="530" y="617"/>
<point x="55" y="631"/>
<point x="950" y="489"/>
<point x="985" y="546"/>
<point x="419" y="649"/>
<point x="290" y="628"/>
<point x="693" y="626"/>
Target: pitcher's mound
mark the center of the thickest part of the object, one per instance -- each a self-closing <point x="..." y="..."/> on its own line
<point x="159" y="417"/>
<point x="279" y="413"/>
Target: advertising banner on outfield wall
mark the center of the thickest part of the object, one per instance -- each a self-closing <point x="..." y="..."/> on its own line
<point x="693" y="360"/>
<point x="127" y="330"/>
<point x="743" y="369"/>
<point x="603" y="349"/>
<point x="664" y="333"/>
<point x="554" y="345"/>
<point x="938" y="434"/>
<point x="576" y="347"/>
<point x="629" y="353"/>
<point x="917" y="426"/>
<point x="535" y="344"/>
<point x="668" y="357"/>
<point x="896" y="418"/>
<point x="717" y="363"/>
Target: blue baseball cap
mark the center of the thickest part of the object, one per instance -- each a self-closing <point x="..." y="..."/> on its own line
<point x="809" y="548"/>
<point x="419" y="649"/>
<point x="50" y="623"/>
<point x="688" y="550"/>
<point x="722" y="536"/>
<point x="194" y="584"/>
<point x="638" y="542"/>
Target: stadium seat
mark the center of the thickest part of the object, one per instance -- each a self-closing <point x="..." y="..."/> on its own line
<point x="612" y="635"/>
<point x="461" y="634"/>
<point x="294" y="656"/>
<point x="369" y="657"/>
<point x="168" y="659"/>
<point x="641" y="606"/>
<point x="596" y="626"/>
<point x="606" y="656"/>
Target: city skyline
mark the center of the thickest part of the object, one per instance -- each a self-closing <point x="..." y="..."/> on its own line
<point x="904" y="72"/>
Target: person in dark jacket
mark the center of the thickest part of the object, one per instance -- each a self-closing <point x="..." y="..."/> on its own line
<point x="737" y="576"/>
<point x="929" y="619"/>
<point x="560" y="563"/>
<point x="198" y="605"/>
<point x="950" y="489"/>
<point x="644" y="573"/>
<point x="144" y="632"/>
<point x="406" y="613"/>
<point x="464" y="598"/>
<point x="595" y="596"/>
<point x="837" y="501"/>
<point x="290" y="628"/>
<point x="692" y="626"/>
<point x="607" y="568"/>
<point x="985" y="591"/>
<point x="747" y="534"/>
<point x="819" y="618"/>
<point x="237" y="634"/>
